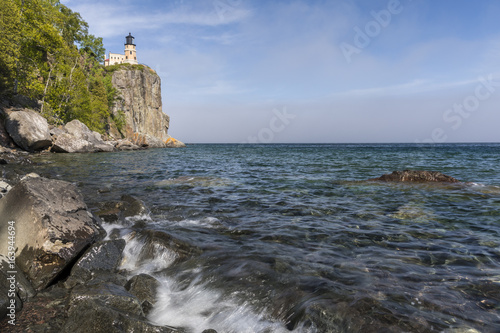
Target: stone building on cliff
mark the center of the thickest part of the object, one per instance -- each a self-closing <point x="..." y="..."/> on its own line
<point x="129" y="57"/>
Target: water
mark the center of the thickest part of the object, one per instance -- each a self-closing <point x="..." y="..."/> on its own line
<point x="292" y="237"/>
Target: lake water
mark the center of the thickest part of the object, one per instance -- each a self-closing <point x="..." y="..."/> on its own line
<point x="294" y="239"/>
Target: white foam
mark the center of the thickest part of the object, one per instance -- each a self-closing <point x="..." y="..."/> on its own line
<point x="206" y="222"/>
<point x="132" y="262"/>
<point x="198" y="307"/>
<point x="109" y="227"/>
<point x="140" y="217"/>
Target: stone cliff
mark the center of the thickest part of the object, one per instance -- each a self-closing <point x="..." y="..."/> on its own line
<point x="139" y="102"/>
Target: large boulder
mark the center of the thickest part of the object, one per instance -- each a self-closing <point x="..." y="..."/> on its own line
<point x="416" y="176"/>
<point x="78" y="138"/>
<point x="28" y="129"/>
<point x="52" y="227"/>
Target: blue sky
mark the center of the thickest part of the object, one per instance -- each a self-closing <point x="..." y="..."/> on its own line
<point x="316" y="71"/>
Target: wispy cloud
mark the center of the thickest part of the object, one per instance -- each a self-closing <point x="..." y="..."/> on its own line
<point x="109" y="19"/>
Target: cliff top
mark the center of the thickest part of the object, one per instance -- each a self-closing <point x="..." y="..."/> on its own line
<point x="128" y="67"/>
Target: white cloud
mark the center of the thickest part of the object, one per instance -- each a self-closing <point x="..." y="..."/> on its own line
<point x="108" y="19"/>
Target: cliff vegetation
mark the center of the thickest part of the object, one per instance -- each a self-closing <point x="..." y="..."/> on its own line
<point x="49" y="56"/>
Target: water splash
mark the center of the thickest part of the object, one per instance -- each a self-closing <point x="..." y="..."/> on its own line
<point x="198" y="307"/>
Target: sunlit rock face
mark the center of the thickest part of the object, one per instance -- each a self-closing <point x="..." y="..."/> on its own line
<point x="51" y="225"/>
<point x="139" y="98"/>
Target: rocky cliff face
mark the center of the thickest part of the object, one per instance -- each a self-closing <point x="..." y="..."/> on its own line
<point x="140" y="101"/>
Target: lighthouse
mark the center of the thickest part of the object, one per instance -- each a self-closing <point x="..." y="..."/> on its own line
<point x="130" y="56"/>
<point x="130" y="53"/>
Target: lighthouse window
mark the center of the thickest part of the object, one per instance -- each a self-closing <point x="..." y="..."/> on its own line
<point x="130" y="52"/>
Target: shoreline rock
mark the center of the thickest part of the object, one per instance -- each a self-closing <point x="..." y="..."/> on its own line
<point x="76" y="137"/>
<point x="52" y="227"/>
<point x="68" y="279"/>
<point x="28" y="129"/>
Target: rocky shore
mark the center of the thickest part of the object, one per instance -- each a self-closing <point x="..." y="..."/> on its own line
<point x="138" y="105"/>
<point x="60" y="271"/>
<point x="27" y="130"/>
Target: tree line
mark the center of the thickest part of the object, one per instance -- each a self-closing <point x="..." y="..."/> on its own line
<point x="47" y="54"/>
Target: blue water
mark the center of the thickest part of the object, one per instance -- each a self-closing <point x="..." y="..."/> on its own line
<point x="293" y="237"/>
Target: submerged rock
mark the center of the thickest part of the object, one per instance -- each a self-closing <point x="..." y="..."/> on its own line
<point x="144" y="287"/>
<point x="28" y="129"/>
<point x="52" y="227"/>
<point x="156" y="240"/>
<point x="118" y="211"/>
<point x="416" y="176"/>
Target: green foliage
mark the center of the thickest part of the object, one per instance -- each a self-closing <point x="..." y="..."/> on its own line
<point x="126" y="66"/>
<point x="49" y="55"/>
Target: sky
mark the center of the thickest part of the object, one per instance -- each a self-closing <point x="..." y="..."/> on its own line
<point x="338" y="71"/>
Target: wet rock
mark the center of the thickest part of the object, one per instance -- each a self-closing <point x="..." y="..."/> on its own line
<point x="107" y="308"/>
<point x="10" y="303"/>
<point x="209" y="331"/>
<point x="28" y="129"/>
<point x="47" y="312"/>
<point x="144" y="287"/>
<point x="361" y="315"/>
<point x="24" y="289"/>
<point x="30" y="175"/>
<point x="13" y="156"/>
<point x="118" y="211"/>
<point x="109" y="211"/>
<point x="156" y="240"/>
<point x="52" y="225"/>
<point x="78" y="138"/>
<point x="110" y="294"/>
<point x="4" y="188"/>
<point x="101" y="260"/>
<point x="416" y="176"/>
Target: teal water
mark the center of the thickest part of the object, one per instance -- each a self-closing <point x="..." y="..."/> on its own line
<point x="295" y="239"/>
